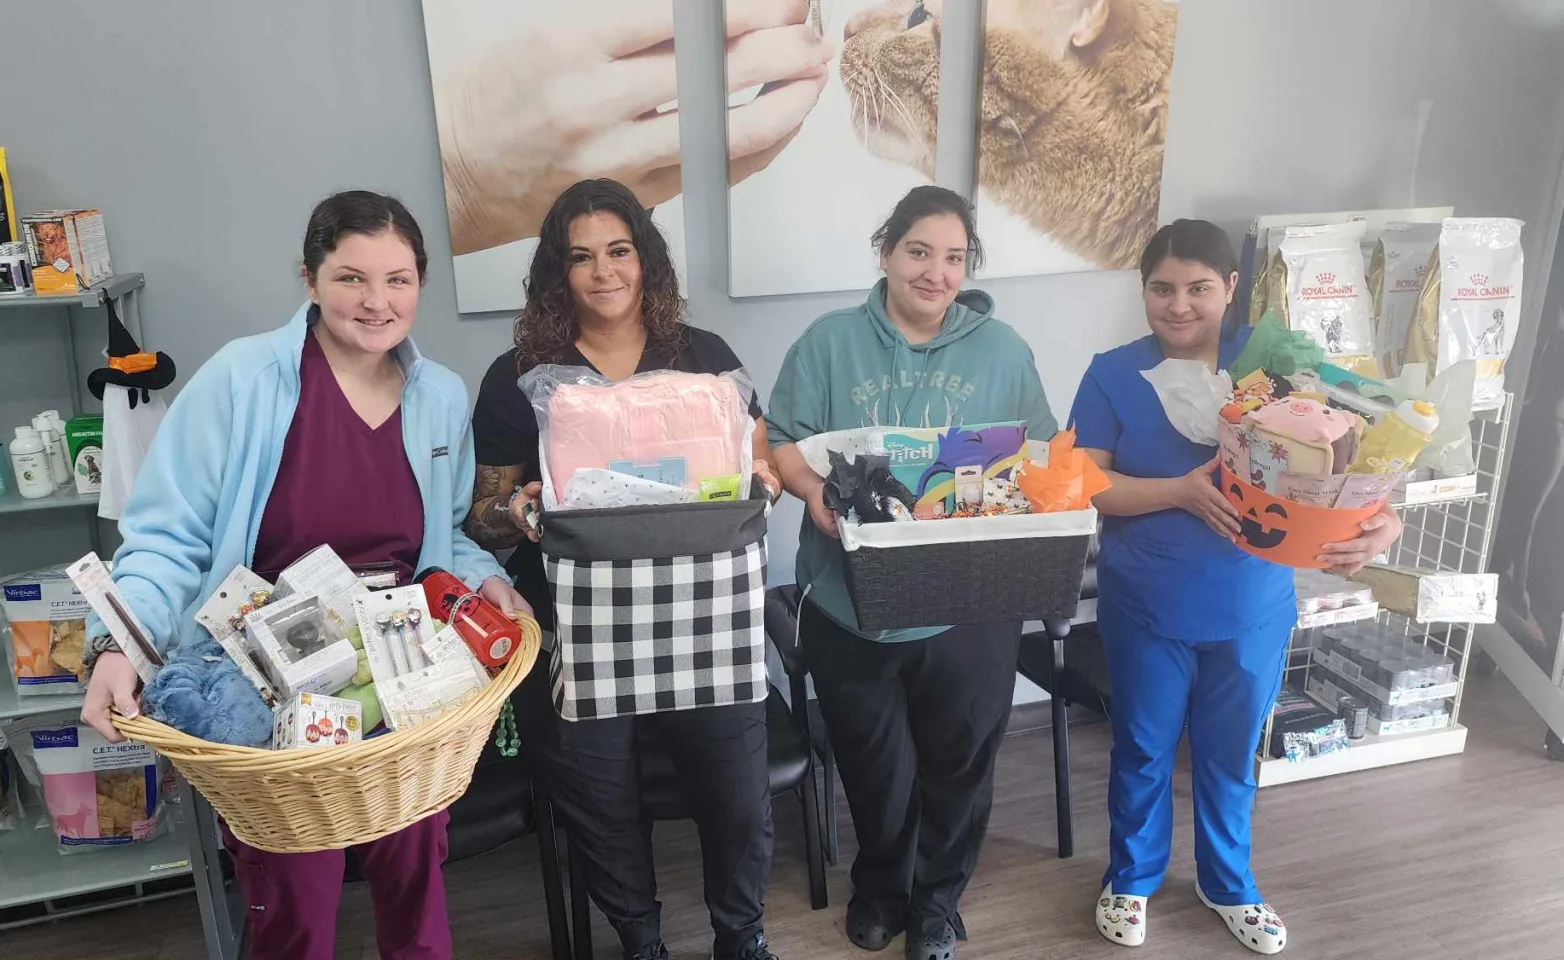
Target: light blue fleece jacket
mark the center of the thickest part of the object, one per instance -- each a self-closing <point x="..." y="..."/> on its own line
<point x="195" y="510"/>
<point x="853" y="368"/>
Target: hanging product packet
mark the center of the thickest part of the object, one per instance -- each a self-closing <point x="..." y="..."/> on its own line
<point x="1469" y="307"/>
<point x="1318" y="285"/>
<point x="1067" y="482"/>
<point x="98" y="794"/>
<point x="1395" y="278"/>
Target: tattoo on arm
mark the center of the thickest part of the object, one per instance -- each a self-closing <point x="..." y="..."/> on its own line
<point x="489" y="522"/>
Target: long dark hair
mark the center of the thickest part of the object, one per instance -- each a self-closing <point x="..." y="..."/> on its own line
<point x="360" y="213"/>
<point x="928" y="201"/>
<point x="548" y="325"/>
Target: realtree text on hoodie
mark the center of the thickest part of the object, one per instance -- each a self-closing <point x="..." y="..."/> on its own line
<point x="853" y="368"/>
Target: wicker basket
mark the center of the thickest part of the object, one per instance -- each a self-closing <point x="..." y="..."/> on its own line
<point x="967" y="571"/>
<point x="302" y="801"/>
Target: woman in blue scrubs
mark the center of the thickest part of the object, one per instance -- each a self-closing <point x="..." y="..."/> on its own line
<point x="1195" y="630"/>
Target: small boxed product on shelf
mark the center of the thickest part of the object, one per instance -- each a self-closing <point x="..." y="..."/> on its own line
<point x="1389" y="669"/>
<point x="1301" y="729"/>
<point x="1320" y="592"/>
<point x="315" y="720"/>
<point x="1430" y="597"/>
<point x="302" y="646"/>
<point x="1389" y="728"/>
<point x="84" y="440"/>
<point x="16" y="273"/>
<point x="68" y="250"/>
<point x="47" y="616"/>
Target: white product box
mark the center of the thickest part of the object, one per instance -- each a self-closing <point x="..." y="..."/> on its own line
<point x="414" y="698"/>
<point x="313" y="720"/>
<point x="302" y="646"/>
<point x="321" y="573"/>
<point x="48" y="619"/>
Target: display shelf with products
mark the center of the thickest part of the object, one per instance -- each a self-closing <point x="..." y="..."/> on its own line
<point x="1449" y="531"/>
<point x="113" y="288"/>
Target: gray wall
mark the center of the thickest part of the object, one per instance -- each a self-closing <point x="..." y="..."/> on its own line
<point x="207" y="132"/>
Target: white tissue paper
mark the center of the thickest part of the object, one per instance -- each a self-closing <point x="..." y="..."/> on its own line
<point x="1449" y="452"/>
<point x="1192" y="397"/>
<point x="593" y="488"/>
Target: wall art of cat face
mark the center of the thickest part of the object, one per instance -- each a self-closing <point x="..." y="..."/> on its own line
<point x="890" y="69"/>
<point x="1072" y="120"/>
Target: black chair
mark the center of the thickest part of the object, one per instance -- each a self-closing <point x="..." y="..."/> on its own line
<point x="782" y="605"/>
<point x="792" y="770"/>
<point x="1067" y="661"/>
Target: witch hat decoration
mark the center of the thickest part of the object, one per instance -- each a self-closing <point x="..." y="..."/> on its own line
<point x="130" y="366"/>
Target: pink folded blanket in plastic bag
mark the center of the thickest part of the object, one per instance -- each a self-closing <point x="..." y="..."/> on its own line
<point x="680" y="428"/>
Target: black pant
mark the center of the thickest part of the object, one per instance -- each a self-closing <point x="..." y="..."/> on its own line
<point x="590" y="772"/>
<point x="916" y="727"/>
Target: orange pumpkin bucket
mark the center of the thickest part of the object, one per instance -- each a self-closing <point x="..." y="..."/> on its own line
<point x="1286" y="532"/>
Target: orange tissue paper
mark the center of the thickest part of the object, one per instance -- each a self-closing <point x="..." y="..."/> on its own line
<point x="1068" y="481"/>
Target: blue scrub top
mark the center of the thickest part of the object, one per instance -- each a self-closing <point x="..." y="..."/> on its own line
<point x="1168" y="570"/>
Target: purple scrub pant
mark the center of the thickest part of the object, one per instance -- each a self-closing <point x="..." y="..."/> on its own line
<point x="293" y="896"/>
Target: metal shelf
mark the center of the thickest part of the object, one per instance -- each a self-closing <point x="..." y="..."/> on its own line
<point x="13" y="706"/>
<point x="110" y="289"/>
<point x="35" y="871"/>
<point x="1365" y="754"/>
<point x="1443" y="534"/>
<point x="64" y="498"/>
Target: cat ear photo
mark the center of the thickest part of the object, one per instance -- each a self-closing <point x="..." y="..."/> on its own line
<point x="1072" y="125"/>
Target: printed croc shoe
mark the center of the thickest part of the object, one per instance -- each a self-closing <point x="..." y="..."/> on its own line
<point x="1256" y="925"/>
<point x="1121" y="919"/>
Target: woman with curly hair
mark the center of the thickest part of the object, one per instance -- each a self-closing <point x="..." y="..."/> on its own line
<point x="602" y="294"/>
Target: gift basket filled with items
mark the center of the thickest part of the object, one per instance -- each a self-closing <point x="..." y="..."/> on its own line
<point x="653" y="534"/>
<point x="1374" y="374"/>
<point x="958" y="525"/>
<point x="380" y="697"/>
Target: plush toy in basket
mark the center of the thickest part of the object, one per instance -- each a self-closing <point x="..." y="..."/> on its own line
<point x="1308" y="451"/>
<point x="956" y="525"/>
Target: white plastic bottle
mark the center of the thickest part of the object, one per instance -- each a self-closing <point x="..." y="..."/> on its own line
<point x="58" y="471"/>
<point x="30" y="462"/>
<point x="60" y="445"/>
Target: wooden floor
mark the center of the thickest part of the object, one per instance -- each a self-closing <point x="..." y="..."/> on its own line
<point x="1455" y="859"/>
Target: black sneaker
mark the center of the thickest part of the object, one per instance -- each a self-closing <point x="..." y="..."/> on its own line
<point x="754" y="948"/>
<point x="652" y="951"/>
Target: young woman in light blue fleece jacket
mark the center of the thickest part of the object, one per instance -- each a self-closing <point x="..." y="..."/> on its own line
<point x="331" y="430"/>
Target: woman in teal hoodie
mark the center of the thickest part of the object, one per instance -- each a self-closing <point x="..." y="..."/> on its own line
<point x="915" y="716"/>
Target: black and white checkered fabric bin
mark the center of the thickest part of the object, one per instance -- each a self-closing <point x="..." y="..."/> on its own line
<point x="657" y="608"/>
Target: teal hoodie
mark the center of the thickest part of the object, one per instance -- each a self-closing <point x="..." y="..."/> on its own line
<point x="853" y="368"/>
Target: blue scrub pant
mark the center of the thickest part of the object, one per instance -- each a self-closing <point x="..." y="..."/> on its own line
<point x="1223" y="690"/>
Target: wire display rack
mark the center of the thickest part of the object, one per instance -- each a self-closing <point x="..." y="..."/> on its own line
<point x="1443" y="533"/>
